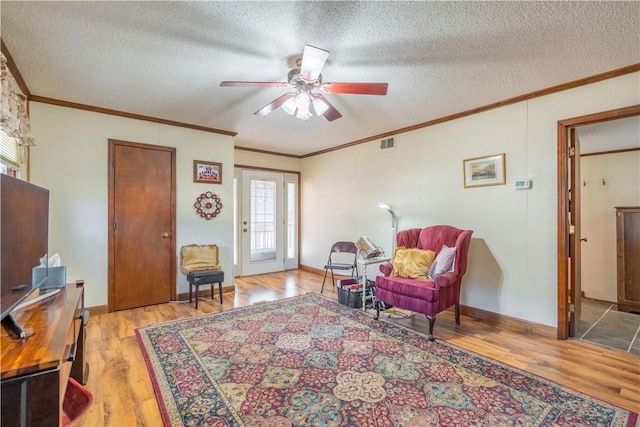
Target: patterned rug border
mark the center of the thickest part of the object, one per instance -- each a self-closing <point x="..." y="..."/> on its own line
<point x="397" y="331"/>
<point x="164" y="412"/>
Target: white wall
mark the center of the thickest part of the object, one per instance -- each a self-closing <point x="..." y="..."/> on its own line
<point x="513" y="256"/>
<point x="512" y="267"/>
<point x="621" y="175"/>
<point x="264" y="160"/>
<point x="71" y="161"/>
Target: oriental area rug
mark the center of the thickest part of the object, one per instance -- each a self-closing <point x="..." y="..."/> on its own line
<point x="309" y="361"/>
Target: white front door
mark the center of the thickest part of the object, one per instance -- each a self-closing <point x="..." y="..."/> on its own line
<point x="263" y="224"/>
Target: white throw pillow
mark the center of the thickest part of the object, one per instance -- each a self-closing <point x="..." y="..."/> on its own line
<point x="443" y="262"/>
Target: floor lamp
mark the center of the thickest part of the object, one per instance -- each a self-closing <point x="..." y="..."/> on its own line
<point x="393" y="226"/>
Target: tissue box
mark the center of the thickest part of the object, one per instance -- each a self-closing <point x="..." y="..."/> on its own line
<point x="56" y="276"/>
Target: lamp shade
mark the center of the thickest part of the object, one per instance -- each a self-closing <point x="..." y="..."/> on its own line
<point x="320" y="106"/>
<point x="289" y="106"/>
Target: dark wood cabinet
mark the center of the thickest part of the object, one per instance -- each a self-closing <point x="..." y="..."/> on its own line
<point x="35" y="370"/>
<point x="628" y="254"/>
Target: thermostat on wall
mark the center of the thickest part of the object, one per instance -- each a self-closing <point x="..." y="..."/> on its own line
<point x="523" y="184"/>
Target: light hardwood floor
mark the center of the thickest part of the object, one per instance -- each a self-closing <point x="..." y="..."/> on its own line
<point x="123" y="393"/>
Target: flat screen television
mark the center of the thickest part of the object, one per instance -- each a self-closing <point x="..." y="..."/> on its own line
<point x="24" y="241"/>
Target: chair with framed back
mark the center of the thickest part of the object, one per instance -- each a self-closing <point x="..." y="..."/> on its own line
<point x="343" y="257"/>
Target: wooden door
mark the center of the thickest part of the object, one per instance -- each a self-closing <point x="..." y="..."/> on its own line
<point x="563" y="212"/>
<point x="575" y="268"/>
<point x="628" y="254"/>
<point x="142" y="262"/>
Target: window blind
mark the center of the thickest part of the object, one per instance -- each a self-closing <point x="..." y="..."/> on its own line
<point x="9" y="149"/>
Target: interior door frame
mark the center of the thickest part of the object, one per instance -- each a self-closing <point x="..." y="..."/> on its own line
<point x="575" y="250"/>
<point x="564" y="178"/>
<point x="238" y="168"/>
<point x="111" y="217"/>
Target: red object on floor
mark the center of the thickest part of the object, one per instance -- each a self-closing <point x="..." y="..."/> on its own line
<point x="77" y="400"/>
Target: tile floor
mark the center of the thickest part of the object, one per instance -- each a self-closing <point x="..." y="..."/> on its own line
<point x="601" y="323"/>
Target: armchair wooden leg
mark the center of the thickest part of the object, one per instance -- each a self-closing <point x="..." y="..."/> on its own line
<point x="457" y="313"/>
<point x="377" y="316"/>
<point x="432" y="321"/>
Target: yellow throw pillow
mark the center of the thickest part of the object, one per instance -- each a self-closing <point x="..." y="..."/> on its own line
<point x="412" y="263"/>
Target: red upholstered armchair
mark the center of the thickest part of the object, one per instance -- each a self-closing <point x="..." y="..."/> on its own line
<point x="429" y="297"/>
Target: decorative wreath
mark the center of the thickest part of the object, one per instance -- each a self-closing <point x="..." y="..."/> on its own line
<point x="208" y="205"/>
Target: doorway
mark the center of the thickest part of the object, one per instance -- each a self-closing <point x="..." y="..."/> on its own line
<point x="142" y="209"/>
<point x="267" y="225"/>
<point x="568" y="237"/>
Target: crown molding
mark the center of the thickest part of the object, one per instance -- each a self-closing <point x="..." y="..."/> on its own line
<point x="553" y="89"/>
<point x="536" y="94"/>
<point x="52" y="101"/>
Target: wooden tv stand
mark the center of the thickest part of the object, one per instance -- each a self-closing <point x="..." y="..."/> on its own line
<point x="35" y="370"/>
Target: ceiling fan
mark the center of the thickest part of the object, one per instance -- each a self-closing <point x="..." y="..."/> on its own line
<point x="305" y="80"/>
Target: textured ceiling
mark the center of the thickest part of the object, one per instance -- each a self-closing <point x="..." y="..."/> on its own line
<point x="167" y="59"/>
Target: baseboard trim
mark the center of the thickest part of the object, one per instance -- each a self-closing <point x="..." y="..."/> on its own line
<point x="98" y="309"/>
<point x="204" y="292"/>
<point x="513" y="323"/>
<point x="319" y="271"/>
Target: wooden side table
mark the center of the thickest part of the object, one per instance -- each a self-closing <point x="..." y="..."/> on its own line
<point x="35" y="370"/>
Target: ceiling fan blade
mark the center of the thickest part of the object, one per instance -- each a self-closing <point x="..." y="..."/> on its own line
<point x="313" y="59"/>
<point x="356" y="88"/>
<point x="275" y="104"/>
<point x="331" y="114"/>
<point x="254" y="84"/>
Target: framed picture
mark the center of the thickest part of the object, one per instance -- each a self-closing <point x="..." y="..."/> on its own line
<point x="483" y="171"/>
<point x="207" y="172"/>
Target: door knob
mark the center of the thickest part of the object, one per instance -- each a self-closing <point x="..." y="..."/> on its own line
<point x="244" y="230"/>
<point x="166" y="235"/>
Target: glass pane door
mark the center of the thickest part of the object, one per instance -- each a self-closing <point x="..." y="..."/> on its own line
<point x="262" y="222"/>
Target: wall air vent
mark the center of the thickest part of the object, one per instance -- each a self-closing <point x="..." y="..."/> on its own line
<point x="386" y="143"/>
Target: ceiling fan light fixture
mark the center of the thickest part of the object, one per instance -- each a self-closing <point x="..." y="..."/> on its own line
<point x="304" y="116"/>
<point x="290" y="106"/>
<point x="302" y="101"/>
<point x="320" y="106"/>
<point x="305" y="78"/>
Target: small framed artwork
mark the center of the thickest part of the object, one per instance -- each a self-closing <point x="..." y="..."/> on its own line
<point x="207" y="172"/>
<point x="483" y="171"/>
